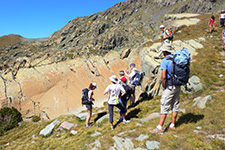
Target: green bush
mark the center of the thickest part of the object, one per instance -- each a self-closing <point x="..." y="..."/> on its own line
<point x="9" y="118"/>
<point x="35" y="118"/>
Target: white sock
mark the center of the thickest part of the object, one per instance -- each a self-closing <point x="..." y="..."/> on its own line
<point x="159" y="127"/>
<point x="172" y="125"/>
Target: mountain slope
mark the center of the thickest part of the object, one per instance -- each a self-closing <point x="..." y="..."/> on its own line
<point x="9" y="40"/>
<point x="195" y="128"/>
<point x="123" y="26"/>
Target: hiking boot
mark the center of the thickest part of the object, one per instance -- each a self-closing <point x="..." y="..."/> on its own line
<point x="112" y="127"/>
<point x="126" y="121"/>
<point x="172" y="128"/>
<point x="88" y="126"/>
<point x="120" y="120"/>
<point x="156" y="130"/>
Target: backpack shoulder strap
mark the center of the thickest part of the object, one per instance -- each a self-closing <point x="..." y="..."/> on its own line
<point x="170" y="58"/>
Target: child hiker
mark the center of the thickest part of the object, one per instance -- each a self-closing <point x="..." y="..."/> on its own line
<point x="212" y="24"/>
<point x="125" y="98"/>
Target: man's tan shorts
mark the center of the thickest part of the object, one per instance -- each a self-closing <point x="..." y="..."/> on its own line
<point x="170" y="97"/>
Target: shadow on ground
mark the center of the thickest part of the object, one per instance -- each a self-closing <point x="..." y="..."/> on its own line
<point x="188" y="118"/>
<point x="131" y="114"/>
<point x="99" y="115"/>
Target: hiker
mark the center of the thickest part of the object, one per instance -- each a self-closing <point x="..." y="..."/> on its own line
<point x="89" y="104"/>
<point x="166" y="37"/>
<point x="131" y="78"/>
<point x="212" y="24"/>
<point x="121" y="73"/>
<point x="170" y="94"/>
<point x="222" y="18"/>
<point x="115" y="91"/>
<point x="125" y="98"/>
<point x="223" y="38"/>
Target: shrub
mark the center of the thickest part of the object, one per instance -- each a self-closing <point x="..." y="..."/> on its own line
<point x="9" y="118"/>
<point x="35" y="118"/>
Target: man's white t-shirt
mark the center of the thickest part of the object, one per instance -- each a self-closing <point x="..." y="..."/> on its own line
<point x="115" y="90"/>
<point x="222" y="16"/>
<point x="133" y="73"/>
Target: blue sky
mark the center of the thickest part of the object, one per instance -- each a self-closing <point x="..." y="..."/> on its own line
<point x="41" y="18"/>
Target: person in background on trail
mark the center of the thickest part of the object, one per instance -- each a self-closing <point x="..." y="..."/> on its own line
<point x="170" y="94"/>
<point x="125" y="98"/>
<point x="121" y="73"/>
<point x="166" y="37"/>
<point x="222" y="18"/>
<point x="92" y="87"/>
<point x="212" y="24"/>
<point x="131" y="77"/>
<point x="115" y="90"/>
<point x="223" y="38"/>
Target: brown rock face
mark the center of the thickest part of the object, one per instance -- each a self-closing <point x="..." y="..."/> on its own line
<point x="55" y="89"/>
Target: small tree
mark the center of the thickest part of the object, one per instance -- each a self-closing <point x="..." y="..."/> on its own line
<point x="9" y="118"/>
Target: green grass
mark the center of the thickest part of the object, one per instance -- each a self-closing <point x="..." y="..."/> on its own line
<point x="207" y="65"/>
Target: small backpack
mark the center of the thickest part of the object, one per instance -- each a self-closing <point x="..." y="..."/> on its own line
<point x="84" y="97"/>
<point x="181" y="67"/>
<point x="171" y="34"/>
<point x="137" y="79"/>
<point x="128" y="90"/>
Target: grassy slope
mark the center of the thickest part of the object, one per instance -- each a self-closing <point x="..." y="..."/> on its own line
<point x="9" y="39"/>
<point x="207" y="65"/>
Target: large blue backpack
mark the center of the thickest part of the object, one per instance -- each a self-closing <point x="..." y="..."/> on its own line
<point x="137" y="79"/>
<point x="181" y="67"/>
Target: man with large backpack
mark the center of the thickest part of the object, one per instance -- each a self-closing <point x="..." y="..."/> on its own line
<point x="175" y="72"/>
<point x="131" y="77"/>
<point x="166" y="37"/>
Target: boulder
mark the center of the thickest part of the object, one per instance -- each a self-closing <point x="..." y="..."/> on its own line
<point x="151" y="116"/>
<point x="195" y="44"/>
<point x="121" y="143"/>
<point x="200" y="102"/>
<point x="218" y="136"/>
<point x="201" y="39"/>
<point x="97" y="143"/>
<point x="48" y="129"/>
<point x="152" y="144"/>
<point x="67" y="125"/>
<point x="96" y="134"/>
<point x="148" y="64"/>
<point x="82" y="116"/>
<point x="142" y="137"/>
<point x="73" y="132"/>
<point x="118" y="142"/>
<point x="194" y="85"/>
